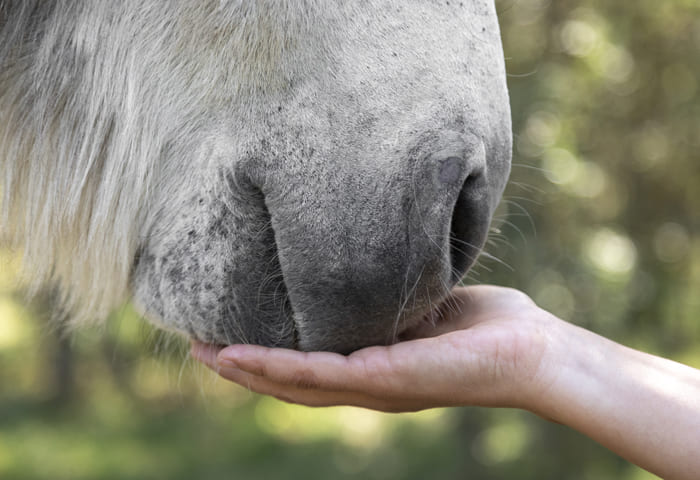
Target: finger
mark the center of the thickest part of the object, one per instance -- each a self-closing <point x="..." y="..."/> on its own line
<point x="302" y="396"/>
<point x="400" y="369"/>
<point x="205" y="353"/>
<point x="314" y="398"/>
<point x="315" y="371"/>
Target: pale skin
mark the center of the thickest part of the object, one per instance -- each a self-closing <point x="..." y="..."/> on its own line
<point x="494" y="347"/>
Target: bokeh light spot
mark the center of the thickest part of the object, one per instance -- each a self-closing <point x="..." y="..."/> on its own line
<point x="611" y="252"/>
<point x="579" y="38"/>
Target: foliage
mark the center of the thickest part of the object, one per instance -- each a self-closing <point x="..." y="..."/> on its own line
<point x="599" y="226"/>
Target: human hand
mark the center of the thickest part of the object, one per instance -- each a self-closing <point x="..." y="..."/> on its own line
<point x="495" y="347"/>
<point x="486" y="349"/>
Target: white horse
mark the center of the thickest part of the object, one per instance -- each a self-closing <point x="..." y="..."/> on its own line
<point x="313" y="174"/>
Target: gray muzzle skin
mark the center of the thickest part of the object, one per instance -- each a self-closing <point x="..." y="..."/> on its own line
<point x="335" y="210"/>
<point x="374" y="263"/>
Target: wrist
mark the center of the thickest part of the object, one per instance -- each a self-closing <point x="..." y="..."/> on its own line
<point x="546" y="361"/>
<point x="572" y="371"/>
<point x="569" y="359"/>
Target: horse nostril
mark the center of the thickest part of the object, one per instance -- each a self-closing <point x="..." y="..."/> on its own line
<point x="466" y="236"/>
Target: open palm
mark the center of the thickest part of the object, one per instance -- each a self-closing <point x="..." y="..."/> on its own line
<point x="484" y="348"/>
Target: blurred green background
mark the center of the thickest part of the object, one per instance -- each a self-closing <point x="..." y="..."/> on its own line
<point x="599" y="225"/>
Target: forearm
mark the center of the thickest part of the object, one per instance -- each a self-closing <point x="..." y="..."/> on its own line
<point x="644" y="408"/>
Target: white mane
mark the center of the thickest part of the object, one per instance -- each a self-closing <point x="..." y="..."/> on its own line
<point x="92" y="95"/>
